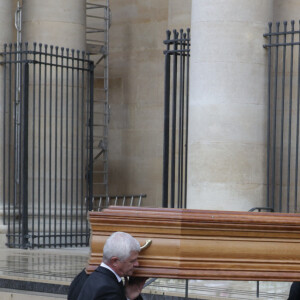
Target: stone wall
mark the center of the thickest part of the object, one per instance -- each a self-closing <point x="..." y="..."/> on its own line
<point x="136" y="93"/>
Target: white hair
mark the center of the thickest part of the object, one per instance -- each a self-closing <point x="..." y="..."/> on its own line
<point x="119" y="244"/>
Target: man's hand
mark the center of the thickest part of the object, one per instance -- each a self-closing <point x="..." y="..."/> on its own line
<point x="134" y="286"/>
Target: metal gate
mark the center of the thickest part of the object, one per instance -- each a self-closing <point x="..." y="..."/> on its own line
<point x="47" y="145"/>
<point x="176" y="116"/>
<point x="283" y="116"/>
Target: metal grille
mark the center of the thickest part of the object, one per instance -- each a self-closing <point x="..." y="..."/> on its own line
<point x="283" y="116"/>
<point x="47" y="145"/>
<point x="177" y="56"/>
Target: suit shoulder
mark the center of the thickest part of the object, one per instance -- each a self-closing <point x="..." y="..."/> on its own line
<point x="101" y="285"/>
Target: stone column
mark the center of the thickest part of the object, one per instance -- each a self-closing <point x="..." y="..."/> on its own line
<point x="227" y="128"/>
<point x="286" y="10"/>
<point x="57" y="23"/>
<point x="6" y="36"/>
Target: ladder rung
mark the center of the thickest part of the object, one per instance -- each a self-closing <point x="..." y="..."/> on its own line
<point x="94" y="30"/>
<point x="97" y="17"/>
<point x="99" y="42"/>
<point x="93" y="5"/>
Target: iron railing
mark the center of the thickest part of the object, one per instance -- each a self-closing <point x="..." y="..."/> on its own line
<point x="103" y="201"/>
<point x="176" y="102"/>
<point x="283" y="116"/>
<point x="47" y="146"/>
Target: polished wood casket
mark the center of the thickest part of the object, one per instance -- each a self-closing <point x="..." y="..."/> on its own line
<point x="196" y="244"/>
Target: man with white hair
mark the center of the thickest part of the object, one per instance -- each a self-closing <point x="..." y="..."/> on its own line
<point x="120" y="257"/>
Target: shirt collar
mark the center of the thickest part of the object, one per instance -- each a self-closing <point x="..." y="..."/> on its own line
<point x="109" y="268"/>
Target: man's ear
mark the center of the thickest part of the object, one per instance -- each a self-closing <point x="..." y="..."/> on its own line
<point x="114" y="261"/>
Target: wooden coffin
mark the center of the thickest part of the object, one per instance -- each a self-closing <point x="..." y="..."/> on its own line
<point x="199" y="244"/>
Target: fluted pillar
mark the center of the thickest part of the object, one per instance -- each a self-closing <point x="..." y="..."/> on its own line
<point x="227" y="138"/>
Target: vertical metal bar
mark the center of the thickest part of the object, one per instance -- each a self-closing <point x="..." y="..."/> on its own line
<point x="99" y="204"/>
<point x="33" y="144"/>
<point x="72" y="147"/>
<point x="180" y="138"/>
<point x="15" y="196"/>
<point x="24" y="104"/>
<point x="186" y="288"/>
<point x="173" y="147"/>
<point x="39" y="148"/>
<point x="61" y="145"/>
<point x="67" y="144"/>
<point x="183" y="118"/>
<point x="9" y="147"/>
<point x="55" y="147"/>
<point x="44" y="146"/>
<point x="269" y="116"/>
<point x="4" y="144"/>
<point x="18" y="47"/>
<point x="166" y="124"/>
<point x="187" y="114"/>
<point x="26" y="115"/>
<point x="297" y="129"/>
<point x="91" y="133"/>
<point x="50" y="142"/>
<point x="83" y="145"/>
<point x="77" y="149"/>
<point x="14" y="203"/>
<point x="19" y="94"/>
<point x="290" y="116"/>
<point x="282" y="115"/>
<point x="275" y="117"/>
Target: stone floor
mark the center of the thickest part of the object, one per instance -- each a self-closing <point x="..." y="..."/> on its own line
<point x="48" y="266"/>
<point x="56" y="268"/>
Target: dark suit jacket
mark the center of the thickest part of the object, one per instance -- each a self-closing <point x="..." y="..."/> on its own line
<point x="294" y="291"/>
<point x="77" y="285"/>
<point x="102" y="284"/>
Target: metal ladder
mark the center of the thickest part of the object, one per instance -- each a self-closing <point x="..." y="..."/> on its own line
<point x="97" y="45"/>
